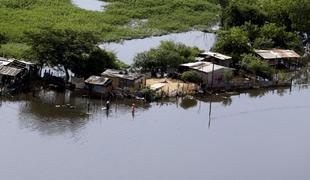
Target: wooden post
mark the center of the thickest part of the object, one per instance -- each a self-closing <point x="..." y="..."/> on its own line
<point x="212" y="75"/>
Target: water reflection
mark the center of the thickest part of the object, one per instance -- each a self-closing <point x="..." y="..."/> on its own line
<point x="55" y="113"/>
<point x="52" y="113"/>
<point x="248" y="131"/>
<point x="188" y="102"/>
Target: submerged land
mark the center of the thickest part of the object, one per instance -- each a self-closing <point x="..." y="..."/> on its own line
<point x="120" y="20"/>
<point x="204" y="130"/>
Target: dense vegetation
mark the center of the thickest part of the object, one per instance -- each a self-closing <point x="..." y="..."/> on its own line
<point x="294" y="15"/>
<point x="262" y="24"/>
<point x="167" y="55"/>
<point x="191" y="76"/>
<point x="119" y="21"/>
<point x="75" y="51"/>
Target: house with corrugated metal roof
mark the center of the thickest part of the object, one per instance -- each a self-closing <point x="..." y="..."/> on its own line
<point x="125" y="80"/>
<point x="209" y="72"/>
<point x="13" y="71"/>
<point x="279" y="57"/>
<point x="216" y="58"/>
<point x="98" y="84"/>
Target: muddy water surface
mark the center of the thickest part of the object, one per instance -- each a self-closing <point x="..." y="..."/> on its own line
<point x="256" y="135"/>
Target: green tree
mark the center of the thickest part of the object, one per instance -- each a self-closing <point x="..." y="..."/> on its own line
<point x="273" y="35"/>
<point x="76" y="51"/>
<point x="233" y="42"/>
<point x="294" y="15"/>
<point x="228" y="74"/>
<point x="237" y="12"/>
<point x="256" y="66"/>
<point x="299" y="13"/>
<point x="97" y="61"/>
<point x="3" y="39"/>
<point x="168" y="55"/>
<point x="191" y="76"/>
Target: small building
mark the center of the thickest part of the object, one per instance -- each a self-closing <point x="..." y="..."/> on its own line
<point x="97" y="84"/>
<point x="125" y="80"/>
<point x="216" y="58"/>
<point x="279" y="57"/>
<point x="205" y="69"/>
<point x="9" y="75"/>
<point x="13" y="71"/>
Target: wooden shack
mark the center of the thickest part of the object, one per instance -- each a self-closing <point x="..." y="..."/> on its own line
<point x="216" y="58"/>
<point x="124" y="80"/>
<point x="98" y="85"/>
<point x="280" y="58"/>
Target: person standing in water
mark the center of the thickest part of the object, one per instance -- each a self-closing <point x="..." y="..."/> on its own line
<point x="133" y="109"/>
<point x="108" y="105"/>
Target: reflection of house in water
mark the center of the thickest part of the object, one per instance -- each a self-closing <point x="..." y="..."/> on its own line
<point x="279" y="57"/>
<point x="55" y="77"/>
<point x="97" y="84"/>
<point x="206" y="71"/>
<point x="216" y="58"/>
<point x="124" y="80"/>
<point x="14" y="72"/>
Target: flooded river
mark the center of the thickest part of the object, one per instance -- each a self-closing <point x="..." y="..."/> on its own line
<point x="127" y="49"/>
<point x="255" y="135"/>
<point x="260" y="134"/>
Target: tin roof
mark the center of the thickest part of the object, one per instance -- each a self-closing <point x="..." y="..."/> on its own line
<point x="216" y="55"/>
<point x="205" y="67"/>
<point x="9" y="71"/>
<point x="121" y="74"/>
<point x="277" y="54"/>
<point x="97" y="80"/>
<point x="4" y="61"/>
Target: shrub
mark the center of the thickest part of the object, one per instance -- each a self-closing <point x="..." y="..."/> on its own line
<point x="191" y="76"/>
<point x="228" y="75"/>
<point x="256" y="66"/>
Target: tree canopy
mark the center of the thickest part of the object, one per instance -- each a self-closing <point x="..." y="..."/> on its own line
<point x="167" y="55"/>
<point x="256" y="66"/>
<point x="293" y="15"/>
<point x="74" y="50"/>
<point x="3" y="39"/>
<point x="233" y="42"/>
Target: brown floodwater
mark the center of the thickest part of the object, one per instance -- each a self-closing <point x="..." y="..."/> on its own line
<point x="261" y="134"/>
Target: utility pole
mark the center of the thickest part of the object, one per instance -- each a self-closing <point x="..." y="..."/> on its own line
<point x="212" y="75"/>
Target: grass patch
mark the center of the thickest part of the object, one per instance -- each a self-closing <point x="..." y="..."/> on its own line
<point x="164" y="16"/>
<point x="14" y="50"/>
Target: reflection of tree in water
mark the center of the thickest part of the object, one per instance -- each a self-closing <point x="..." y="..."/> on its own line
<point x="188" y="102"/>
<point x="257" y="93"/>
<point x="48" y="119"/>
<point x="302" y="76"/>
<point x="227" y="101"/>
<point x="220" y="98"/>
<point x="281" y="91"/>
<point x="56" y="113"/>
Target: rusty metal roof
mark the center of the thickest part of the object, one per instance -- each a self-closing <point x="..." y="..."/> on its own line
<point x="97" y="80"/>
<point x="277" y="54"/>
<point x="9" y="71"/>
